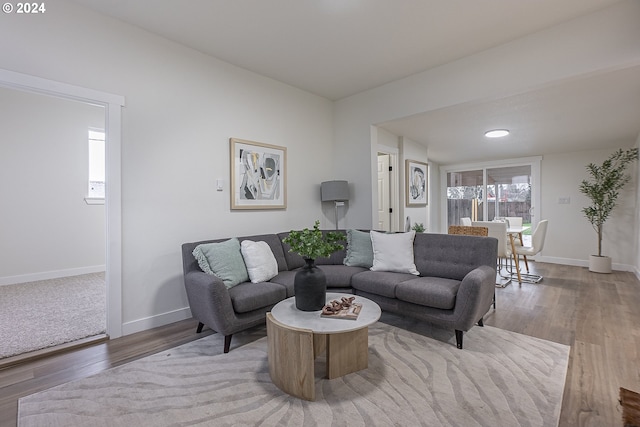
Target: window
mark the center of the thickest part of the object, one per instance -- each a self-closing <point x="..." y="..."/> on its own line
<point x="485" y="191"/>
<point x="96" y="164"/>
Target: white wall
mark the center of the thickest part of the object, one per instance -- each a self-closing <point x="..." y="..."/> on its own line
<point x="604" y="40"/>
<point x="411" y="150"/>
<point x="570" y="238"/>
<point x="47" y="228"/>
<point x="181" y="109"/>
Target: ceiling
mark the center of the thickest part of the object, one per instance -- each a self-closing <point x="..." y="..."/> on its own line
<point x="336" y="48"/>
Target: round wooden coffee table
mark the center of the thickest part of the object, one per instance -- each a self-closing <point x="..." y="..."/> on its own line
<point x="297" y="337"/>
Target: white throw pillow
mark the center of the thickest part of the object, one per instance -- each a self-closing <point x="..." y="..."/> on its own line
<point x="260" y="262"/>
<point x="393" y="252"/>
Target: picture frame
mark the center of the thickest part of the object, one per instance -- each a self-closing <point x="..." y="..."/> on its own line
<point x="258" y="175"/>
<point x="416" y="183"/>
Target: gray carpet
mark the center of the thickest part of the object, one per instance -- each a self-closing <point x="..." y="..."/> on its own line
<point x="500" y="379"/>
<point x="46" y="313"/>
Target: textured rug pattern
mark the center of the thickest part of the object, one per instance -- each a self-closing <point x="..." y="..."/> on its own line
<point x="499" y="379"/>
<point x="45" y="313"/>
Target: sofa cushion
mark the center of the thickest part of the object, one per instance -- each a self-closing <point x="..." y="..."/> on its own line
<point x="452" y="256"/>
<point x="260" y="262"/>
<point x="249" y="296"/>
<point x="223" y="259"/>
<point x="285" y="278"/>
<point x="434" y="292"/>
<point x="393" y="252"/>
<point x="359" y="249"/>
<point x="339" y="276"/>
<point x="379" y="282"/>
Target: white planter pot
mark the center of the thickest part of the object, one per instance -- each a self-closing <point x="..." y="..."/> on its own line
<point x="599" y="264"/>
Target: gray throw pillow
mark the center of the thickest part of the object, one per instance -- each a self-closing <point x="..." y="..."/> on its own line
<point x="223" y="259"/>
<point x="359" y="249"/>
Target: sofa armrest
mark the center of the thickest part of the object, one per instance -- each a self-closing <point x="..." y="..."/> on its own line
<point x="475" y="296"/>
<point x="210" y="301"/>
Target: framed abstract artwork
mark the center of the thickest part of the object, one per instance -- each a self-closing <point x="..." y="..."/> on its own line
<point x="416" y="183"/>
<point x="258" y="175"/>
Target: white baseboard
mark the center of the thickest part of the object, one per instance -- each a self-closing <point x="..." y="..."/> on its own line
<point x="151" y="322"/>
<point x="582" y="263"/>
<point x="46" y="275"/>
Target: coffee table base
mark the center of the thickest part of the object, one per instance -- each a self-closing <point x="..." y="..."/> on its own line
<point x="292" y="352"/>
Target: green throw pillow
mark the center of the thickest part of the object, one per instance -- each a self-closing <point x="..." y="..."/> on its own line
<point x="223" y="259"/>
<point x="359" y="249"/>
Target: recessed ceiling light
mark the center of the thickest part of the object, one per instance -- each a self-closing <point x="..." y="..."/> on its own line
<point x="496" y="133"/>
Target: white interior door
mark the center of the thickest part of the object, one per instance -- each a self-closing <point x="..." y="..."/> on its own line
<point x="384" y="216"/>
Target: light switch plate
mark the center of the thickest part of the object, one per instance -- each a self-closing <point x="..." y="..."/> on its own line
<point x="219" y="184"/>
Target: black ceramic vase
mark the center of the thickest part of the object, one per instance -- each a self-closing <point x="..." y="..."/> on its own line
<point x="310" y="287"/>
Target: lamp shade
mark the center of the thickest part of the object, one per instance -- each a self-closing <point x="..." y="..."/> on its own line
<point x="334" y="191"/>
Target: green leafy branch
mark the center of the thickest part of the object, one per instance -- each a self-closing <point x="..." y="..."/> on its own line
<point x="604" y="186"/>
<point x="313" y="244"/>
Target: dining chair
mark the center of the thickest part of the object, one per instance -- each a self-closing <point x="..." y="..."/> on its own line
<point x="537" y="244"/>
<point x="516" y="221"/>
<point x="465" y="221"/>
<point x="499" y="231"/>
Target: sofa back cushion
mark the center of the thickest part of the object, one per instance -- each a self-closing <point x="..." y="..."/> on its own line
<point x="453" y="256"/>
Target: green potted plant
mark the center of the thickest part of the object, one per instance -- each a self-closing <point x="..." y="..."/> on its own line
<point x="418" y="227"/>
<point x="603" y="189"/>
<point x="310" y="284"/>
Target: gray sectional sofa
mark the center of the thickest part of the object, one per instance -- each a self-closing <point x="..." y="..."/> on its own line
<point x="454" y="289"/>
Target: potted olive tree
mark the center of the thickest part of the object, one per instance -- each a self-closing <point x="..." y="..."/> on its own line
<point x="603" y="189"/>
<point x="310" y="283"/>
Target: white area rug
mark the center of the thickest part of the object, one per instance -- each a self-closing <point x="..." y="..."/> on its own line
<point x="45" y="313"/>
<point x="500" y="379"/>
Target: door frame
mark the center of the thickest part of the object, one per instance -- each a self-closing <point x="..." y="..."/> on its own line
<point x="394" y="199"/>
<point x="113" y="201"/>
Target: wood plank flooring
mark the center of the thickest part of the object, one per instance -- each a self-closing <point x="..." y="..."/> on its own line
<point x="597" y="315"/>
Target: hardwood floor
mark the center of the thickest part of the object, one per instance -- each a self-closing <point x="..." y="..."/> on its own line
<point x="597" y="315"/>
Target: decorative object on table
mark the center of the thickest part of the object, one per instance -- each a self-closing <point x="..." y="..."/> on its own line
<point x="343" y="309"/>
<point x="335" y="191"/>
<point x="416" y="183"/>
<point x="418" y="227"/>
<point x="310" y="283"/>
<point x="258" y="175"/>
<point x="630" y="402"/>
<point x="603" y="189"/>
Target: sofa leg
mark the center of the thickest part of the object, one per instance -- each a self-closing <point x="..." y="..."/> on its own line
<point x="227" y="343"/>
<point x="200" y="326"/>
<point x="494" y="299"/>
<point x="481" y="322"/>
<point x="459" y="335"/>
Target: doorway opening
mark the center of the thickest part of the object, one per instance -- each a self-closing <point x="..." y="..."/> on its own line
<point x="113" y="222"/>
